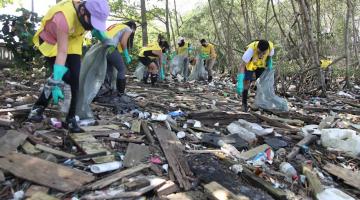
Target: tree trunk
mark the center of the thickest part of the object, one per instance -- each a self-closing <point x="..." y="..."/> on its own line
<point x="266" y="20"/>
<point x="172" y="31"/>
<point x="176" y="19"/>
<point x="144" y="23"/>
<point x="346" y="42"/>
<point x="246" y="19"/>
<point x="167" y="20"/>
<point x="318" y="26"/>
<point x="214" y="22"/>
<point x="312" y="44"/>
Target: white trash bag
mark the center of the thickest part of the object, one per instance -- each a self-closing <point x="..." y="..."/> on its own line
<point x="265" y="94"/>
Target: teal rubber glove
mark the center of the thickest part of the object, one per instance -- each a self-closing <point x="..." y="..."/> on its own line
<point x="56" y="94"/>
<point x="100" y="35"/>
<point x="162" y="73"/>
<point x="127" y="56"/>
<point x="190" y="49"/>
<point x="59" y="72"/>
<point x="240" y="83"/>
<point x="204" y="56"/>
<point x="269" y="63"/>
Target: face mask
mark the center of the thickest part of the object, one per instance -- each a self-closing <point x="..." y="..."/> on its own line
<point x="204" y="45"/>
<point x="86" y="25"/>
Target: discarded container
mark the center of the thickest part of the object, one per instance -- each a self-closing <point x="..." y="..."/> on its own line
<point x="341" y="139"/>
<point x="333" y="194"/>
<point x="289" y="170"/>
<point x="181" y="134"/>
<point x="56" y="123"/>
<point x="87" y="122"/>
<point x="105" y="167"/>
<point x="255" y="128"/>
<point x="236" y="128"/>
<point x="177" y="113"/>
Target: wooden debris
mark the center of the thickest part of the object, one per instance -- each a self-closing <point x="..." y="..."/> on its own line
<point x="116" y="177"/>
<point x="100" y="128"/>
<point x="210" y="117"/>
<point x="259" y="182"/>
<point x="2" y="176"/>
<point x="135" y="154"/>
<point x="273" y="122"/>
<point x="44" y="172"/>
<point x="128" y="140"/>
<point x="54" y="151"/>
<point x="145" y="129"/>
<point x="87" y="143"/>
<point x="349" y="177"/>
<point x="41" y="196"/>
<point x="4" y="121"/>
<point x="136" y="184"/>
<point x="305" y="141"/>
<point x="29" y="148"/>
<point x="136" y="126"/>
<point x="295" y="115"/>
<point x="313" y="180"/>
<point x="217" y="192"/>
<point x="320" y="109"/>
<point x="154" y="183"/>
<point x="22" y="108"/>
<point x="34" y="189"/>
<point x="191" y="195"/>
<point x="11" y="140"/>
<point x="168" y="188"/>
<point x="170" y="145"/>
<point x="253" y="152"/>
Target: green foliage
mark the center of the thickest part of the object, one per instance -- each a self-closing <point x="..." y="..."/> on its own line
<point x="3" y="3"/>
<point x="17" y="33"/>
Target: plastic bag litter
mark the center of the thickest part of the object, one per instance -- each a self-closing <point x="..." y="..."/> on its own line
<point x="176" y="65"/>
<point x="92" y="76"/>
<point x="199" y="72"/>
<point x="139" y="72"/>
<point x="265" y="94"/>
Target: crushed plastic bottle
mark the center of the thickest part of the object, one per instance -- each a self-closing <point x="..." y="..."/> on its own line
<point x="235" y="128"/>
<point x="289" y="170"/>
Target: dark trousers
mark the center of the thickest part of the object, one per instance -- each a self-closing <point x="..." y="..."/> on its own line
<point x="71" y="77"/>
<point x="115" y="60"/>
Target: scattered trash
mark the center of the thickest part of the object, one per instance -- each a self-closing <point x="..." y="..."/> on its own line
<point x="181" y="134"/>
<point x="55" y="123"/>
<point x="341" y="139"/>
<point x="289" y="170"/>
<point x="105" y="167"/>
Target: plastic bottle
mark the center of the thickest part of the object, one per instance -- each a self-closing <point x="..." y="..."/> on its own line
<point x="105" y="167"/>
<point x="55" y="123"/>
<point x="67" y="99"/>
<point x="289" y="170"/>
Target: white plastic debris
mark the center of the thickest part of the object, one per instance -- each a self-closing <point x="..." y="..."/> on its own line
<point x="341" y="139"/>
<point x="105" y="167"/>
<point x="333" y="194"/>
<point x="310" y="129"/>
<point x="19" y="195"/>
<point x="237" y="168"/>
<point x="344" y="94"/>
<point x="255" y="128"/>
<point x="165" y="167"/>
<point x="159" y="117"/>
<point x="197" y="124"/>
<point x="181" y="134"/>
<point x="236" y="128"/>
<point x="217" y="124"/>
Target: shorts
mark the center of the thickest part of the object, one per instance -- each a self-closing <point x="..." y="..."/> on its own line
<point x="253" y="75"/>
<point x="146" y="61"/>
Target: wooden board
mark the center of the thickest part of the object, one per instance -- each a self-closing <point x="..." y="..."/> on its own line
<point x="41" y="196"/>
<point x="44" y="172"/>
<point x="116" y="177"/>
<point x="36" y="188"/>
<point x="145" y="129"/>
<point x="191" y="195"/>
<point x="136" y="154"/>
<point x="349" y="177"/>
<point x="210" y="117"/>
<point x="173" y="151"/>
<point x="90" y="145"/>
<point x="11" y="140"/>
<point x="54" y="151"/>
<point x="100" y="128"/>
<point x="168" y="188"/>
<point x="217" y="192"/>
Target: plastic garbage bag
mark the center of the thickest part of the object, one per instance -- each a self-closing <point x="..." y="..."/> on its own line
<point x="341" y="139"/>
<point x="265" y="95"/>
<point x="139" y="72"/>
<point x="92" y="76"/>
<point x="175" y="65"/>
<point x="199" y="72"/>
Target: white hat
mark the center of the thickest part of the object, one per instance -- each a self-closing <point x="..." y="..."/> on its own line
<point x="180" y="39"/>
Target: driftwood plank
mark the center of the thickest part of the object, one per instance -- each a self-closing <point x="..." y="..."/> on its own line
<point x="349" y="177"/>
<point x="116" y="177"/>
<point x="44" y="172"/>
<point x="217" y="192"/>
<point x="173" y="151"/>
<point x="11" y="140"/>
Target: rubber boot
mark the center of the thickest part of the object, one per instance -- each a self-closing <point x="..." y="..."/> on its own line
<point x="72" y="125"/>
<point x="209" y="79"/>
<point x="244" y="100"/>
<point x="120" y="84"/>
<point x="154" y="78"/>
<point x="36" y="114"/>
<point x="145" y="77"/>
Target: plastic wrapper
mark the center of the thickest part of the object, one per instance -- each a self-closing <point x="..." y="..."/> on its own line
<point x="198" y="72"/>
<point x="265" y="94"/>
<point x="92" y="76"/>
<point x="139" y="72"/>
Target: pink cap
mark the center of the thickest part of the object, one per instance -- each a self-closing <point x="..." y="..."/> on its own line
<point x="99" y="11"/>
